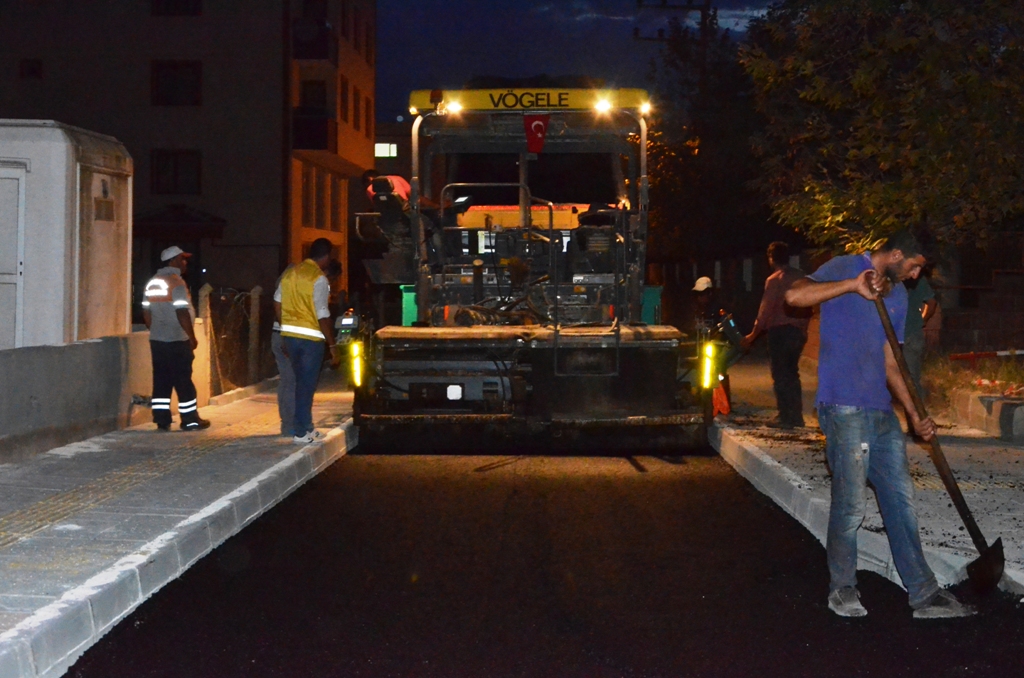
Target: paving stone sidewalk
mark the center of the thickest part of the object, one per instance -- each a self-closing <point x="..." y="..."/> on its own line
<point x="90" y="530"/>
<point x="789" y="467"/>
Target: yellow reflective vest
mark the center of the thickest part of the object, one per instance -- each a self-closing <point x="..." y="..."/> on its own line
<point x="298" y="313"/>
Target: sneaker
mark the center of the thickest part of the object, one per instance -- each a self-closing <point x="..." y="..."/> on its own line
<point x="846" y="602"/>
<point x="311" y="437"/>
<point x="943" y="605"/>
<point x="197" y="425"/>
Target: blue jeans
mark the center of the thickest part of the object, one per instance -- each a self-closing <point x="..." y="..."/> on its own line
<point x="285" y="386"/>
<point x="865" y="445"/>
<point x="306" y="357"/>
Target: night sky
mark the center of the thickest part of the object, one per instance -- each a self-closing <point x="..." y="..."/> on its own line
<point x="427" y="44"/>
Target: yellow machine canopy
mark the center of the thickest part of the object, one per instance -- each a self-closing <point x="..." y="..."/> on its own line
<point x="529" y="99"/>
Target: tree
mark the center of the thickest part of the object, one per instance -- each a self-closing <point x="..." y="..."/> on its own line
<point x="700" y="156"/>
<point x="890" y="113"/>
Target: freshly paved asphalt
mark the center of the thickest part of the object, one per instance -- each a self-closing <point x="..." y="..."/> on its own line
<point x="534" y="566"/>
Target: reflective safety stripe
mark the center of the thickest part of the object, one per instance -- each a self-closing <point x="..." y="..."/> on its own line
<point x="145" y="303"/>
<point x="160" y="400"/>
<point x="186" y="410"/>
<point x="156" y="288"/>
<point x="295" y="329"/>
<point x="190" y="402"/>
<point x="164" y="406"/>
<point x="180" y="303"/>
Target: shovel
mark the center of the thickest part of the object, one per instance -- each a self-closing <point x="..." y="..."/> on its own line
<point x="986" y="571"/>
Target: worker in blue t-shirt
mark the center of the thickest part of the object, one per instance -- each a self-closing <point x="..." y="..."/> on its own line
<point x="857" y="378"/>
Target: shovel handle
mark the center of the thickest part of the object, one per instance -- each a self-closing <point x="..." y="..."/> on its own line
<point x="934" y="449"/>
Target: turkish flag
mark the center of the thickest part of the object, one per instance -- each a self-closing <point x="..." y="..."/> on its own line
<point x="536" y="127"/>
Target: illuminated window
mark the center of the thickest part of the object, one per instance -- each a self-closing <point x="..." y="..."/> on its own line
<point x="385" y="150"/>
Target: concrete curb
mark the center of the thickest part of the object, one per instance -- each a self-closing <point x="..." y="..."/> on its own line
<point x="243" y="392"/>
<point x="998" y="416"/>
<point x="794" y="496"/>
<point x="46" y="644"/>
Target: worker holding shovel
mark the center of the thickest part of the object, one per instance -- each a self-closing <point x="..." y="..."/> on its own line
<point x="857" y="369"/>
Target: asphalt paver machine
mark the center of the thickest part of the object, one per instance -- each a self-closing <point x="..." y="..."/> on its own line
<point x="520" y="255"/>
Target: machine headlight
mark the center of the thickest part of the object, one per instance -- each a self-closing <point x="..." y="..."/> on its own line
<point x="355" y="350"/>
<point x="709" y="365"/>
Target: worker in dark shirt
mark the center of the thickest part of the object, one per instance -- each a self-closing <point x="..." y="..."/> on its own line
<point x="786" y="328"/>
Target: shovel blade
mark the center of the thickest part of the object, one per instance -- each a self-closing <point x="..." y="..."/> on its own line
<point x="986" y="571"/>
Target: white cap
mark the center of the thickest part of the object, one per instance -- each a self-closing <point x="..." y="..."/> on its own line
<point x="702" y="284"/>
<point x="172" y="252"/>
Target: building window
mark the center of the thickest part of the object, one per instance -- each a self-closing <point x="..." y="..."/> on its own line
<point x="30" y="69"/>
<point x="385" y="150"/>
<point x="338" y="209"/>
<point x="321" y="199"/>
<point x="313" y="96"/>
<point x="177" y="83"/>
<point x="343" y="101"/>
<point x="368" y="114"/>
<point x="176" y="7"/>
<point x="356" y="96"/>
<point x="175" y="172"/>
<point x="308" y="196"/>
<point x="357" y="29"/>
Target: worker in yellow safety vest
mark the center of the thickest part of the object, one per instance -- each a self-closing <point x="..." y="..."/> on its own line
<point x="301" y="308"/>
<point x="168" y="313"/>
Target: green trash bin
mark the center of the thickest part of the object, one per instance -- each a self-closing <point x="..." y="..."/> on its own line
<point x="408" y="305"/>
<point x="650" y="310"/>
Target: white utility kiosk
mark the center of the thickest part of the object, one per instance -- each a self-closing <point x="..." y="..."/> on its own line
<point x="65" y="234"/>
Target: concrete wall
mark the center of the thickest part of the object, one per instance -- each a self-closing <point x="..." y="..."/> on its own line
<point x="54" y="395"/>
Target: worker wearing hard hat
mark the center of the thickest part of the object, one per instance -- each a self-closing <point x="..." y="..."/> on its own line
<point x="168" y="312"/>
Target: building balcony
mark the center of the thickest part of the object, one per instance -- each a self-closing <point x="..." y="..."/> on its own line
<point x="314" y="131"/>
<point x="314" y="40"/>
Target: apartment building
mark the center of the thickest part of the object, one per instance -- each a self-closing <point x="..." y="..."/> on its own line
<point x="249" y="121"/>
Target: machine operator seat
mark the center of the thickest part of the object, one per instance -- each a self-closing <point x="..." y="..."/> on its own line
<point x="393" y="208"/>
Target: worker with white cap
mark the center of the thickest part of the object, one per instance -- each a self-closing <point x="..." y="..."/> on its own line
<point x="169" y="314"/>
<point x="707" y="312"/>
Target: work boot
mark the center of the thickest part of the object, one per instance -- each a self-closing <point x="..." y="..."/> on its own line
<point x="196" y="425"/>
<point x="779" y="423"/>
<point x="846" y="602"/>
<point x="943" y="605"/>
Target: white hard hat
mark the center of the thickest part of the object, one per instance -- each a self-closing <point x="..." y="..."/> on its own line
<point x="702" y="284"/>
<point x="172" y="252"/>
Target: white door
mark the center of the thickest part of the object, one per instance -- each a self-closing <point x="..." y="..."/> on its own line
<point x="12" y="256"/>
